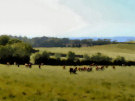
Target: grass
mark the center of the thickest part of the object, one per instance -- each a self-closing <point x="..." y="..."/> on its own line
<point x="112" y="50"/>
<point x="131" y="42"/>
<point x="52" y="83"/>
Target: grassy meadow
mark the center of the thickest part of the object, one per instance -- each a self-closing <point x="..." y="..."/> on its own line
<point x="112" y="50"/>
<point x="53" y="83"/>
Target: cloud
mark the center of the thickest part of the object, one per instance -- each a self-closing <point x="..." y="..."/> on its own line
<point x="67" y="18"/>
<point x="37" y="18"/>
<point x="104" y="17"/>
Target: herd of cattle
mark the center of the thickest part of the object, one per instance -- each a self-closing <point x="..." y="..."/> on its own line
<point x="88" y="69"/>
<point x="71" y="70"/>
<point x="29" y="65"/>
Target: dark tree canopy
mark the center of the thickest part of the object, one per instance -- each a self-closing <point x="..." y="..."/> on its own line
<point x="14" y="50"/>
<point x="4" y="39"/>
<point x="71" y="56"/>
<point x="63" y="42"/>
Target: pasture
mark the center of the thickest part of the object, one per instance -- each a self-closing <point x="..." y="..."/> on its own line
<point x="112" y="50"/>
<point x="53" y="83"/>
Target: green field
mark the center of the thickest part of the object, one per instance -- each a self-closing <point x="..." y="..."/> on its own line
<point x="113" y="50"/>
<point x="52" y="83"/>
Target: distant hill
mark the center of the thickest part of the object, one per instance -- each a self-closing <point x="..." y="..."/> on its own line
<point x="64" y="42"/>
<point x="118" y="39"/>
<point x="112" y="50"/>
<point x="132" y="42"/>
<point x="74" y="42"/>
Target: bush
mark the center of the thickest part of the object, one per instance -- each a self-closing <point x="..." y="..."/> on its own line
<point x="41" y="57"/>
<point x="101" y="59"/>
<point x="86" y="57"/>
<point x="119" y="60"/>
<point x="45" y="55"/>
<point x="71" y="56"/>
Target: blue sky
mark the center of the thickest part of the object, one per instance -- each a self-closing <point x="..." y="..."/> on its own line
<point x="105" y="17"/>
<point x="68" y="18"/>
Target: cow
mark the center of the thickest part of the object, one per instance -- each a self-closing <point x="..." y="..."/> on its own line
<point x="64" y="67"/>
<point x="14" y="63"/>
<point x="97" y="68"/>
<point x="71" y="70"/>
<point x="18" y="65"/>
<point x="30" y="65"/>
<point x="102" y="68"/>
<point x="26" y="65"/>
<point x="39" y="66"/>
<point x="92" y="64"/>
<point x="89" y="69"/>
<point x="123" y="65"/>
<point x="8" y="63"/>
<point x="113" y="67"/>
<point x="76" y="68"/>
<point x="79" y="69"/>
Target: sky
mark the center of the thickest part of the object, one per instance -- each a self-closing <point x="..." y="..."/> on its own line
<point x="67" y="18"/>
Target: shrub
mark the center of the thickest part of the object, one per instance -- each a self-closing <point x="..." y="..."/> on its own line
<point x="86" y="57"/>
<point x="119" y="60"/>
<point x="101" y="59"/>
<point x="45" y="55"/>
<point x="71" y="56"/>
<point x="41" y="57"/>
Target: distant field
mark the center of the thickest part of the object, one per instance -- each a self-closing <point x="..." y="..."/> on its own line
<point x="132" y="42"/>
<point x="113" y="50"/>
<point x="52" y="83"/>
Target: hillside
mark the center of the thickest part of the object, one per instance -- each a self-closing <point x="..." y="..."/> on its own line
<point x="64" y="42"/>
<point x="112" y="50"/>
<point x="117" y="38"/>
<point x="130" y="42"/>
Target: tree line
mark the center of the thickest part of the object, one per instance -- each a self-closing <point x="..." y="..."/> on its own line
<point x="97" y="58"/>
<point x="14" y="50"/>
<point x="63" y="42"/>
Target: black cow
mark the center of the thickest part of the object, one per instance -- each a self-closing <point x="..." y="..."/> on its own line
<point x="71" y="70"/>
<point x="39" y="66"/>
<point x="89" y="69"/>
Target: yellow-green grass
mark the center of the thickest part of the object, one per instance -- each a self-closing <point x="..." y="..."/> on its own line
<point x="112" y="50"/>
<point x="132" y="42"/>
<point x="52" y="83"/>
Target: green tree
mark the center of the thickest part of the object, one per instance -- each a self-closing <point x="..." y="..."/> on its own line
<point x="71" y="56"/>
<point x="119" y="60"/>
<point x="41" y="57"/>
<point x="12" y="41"/>
<point x="6" y="52"/>
<point x="86" y="57"/>
<point x="4" y="39"/>
<point x="22" y="50"/>
<point x="98" y="57"/>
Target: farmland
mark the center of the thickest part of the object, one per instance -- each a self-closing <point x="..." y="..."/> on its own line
<point x="52" y="83"/>
<point x="112" y="50"/>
